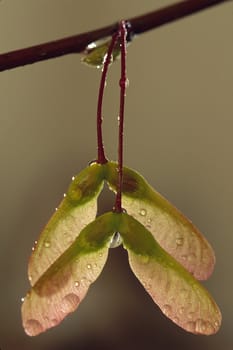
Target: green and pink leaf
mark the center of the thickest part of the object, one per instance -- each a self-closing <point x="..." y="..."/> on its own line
<point x="178" y="294"/>
<point x="63" y="286"/>
<point x="77" y="209"/>
<point x="170" y="228"/>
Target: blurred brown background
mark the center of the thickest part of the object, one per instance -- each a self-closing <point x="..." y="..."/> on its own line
<point x="178" y="134"/>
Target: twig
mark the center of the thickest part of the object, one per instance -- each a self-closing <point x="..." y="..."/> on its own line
<point x="123" y="28"/>
<point x="78" y="43"/>
<point x="101" y="154"/>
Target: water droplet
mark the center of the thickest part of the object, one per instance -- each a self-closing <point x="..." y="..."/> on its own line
<point x="92" y="162"/>
<point x="22" y="300"/>
<point x="190" y="326"/>
<point x="142" y="212"/>
<point x="148" y="223"/>
<point x="29" y="278"/>
<point x="116" y="240"/>
<point x="73" y="177"/>
<point x="77" y="284"/>
<point x="34" y="247"/>
<point x="69" y="303"/>
<point x="56" y="209"/>
<point x="33" y="327"/>
<point x="216" y="323"/>
<point x="91" y="46"/>
<point x="64" y="195"/>
<point x="47" y="244"/>
<point x="179" y="241"/>
<point x="167" y="309"/>
<point x="89" y="266"/>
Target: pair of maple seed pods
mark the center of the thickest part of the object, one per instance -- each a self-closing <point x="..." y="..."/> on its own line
<point x="166" y="251"/>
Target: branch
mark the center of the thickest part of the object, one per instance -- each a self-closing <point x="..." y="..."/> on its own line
<point x="78" y="43"/>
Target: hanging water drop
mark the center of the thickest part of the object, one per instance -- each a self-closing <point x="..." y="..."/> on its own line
<point x="116" y="240"/>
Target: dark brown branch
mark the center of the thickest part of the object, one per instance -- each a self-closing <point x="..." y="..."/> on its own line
<point x="78" y="43"/>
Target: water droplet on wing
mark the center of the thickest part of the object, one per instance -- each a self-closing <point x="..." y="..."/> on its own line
<point x="142" y="212"/>
<point x="179" y="241"/>
<point x="77" y="284"/>
<point x="47" y="244"/>
<point x="92" y="162"/>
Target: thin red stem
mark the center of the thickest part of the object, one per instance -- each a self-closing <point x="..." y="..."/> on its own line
<point x="78" y="43"/>
<point x="101" y="154"/>
<point x="123" y="85"/>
